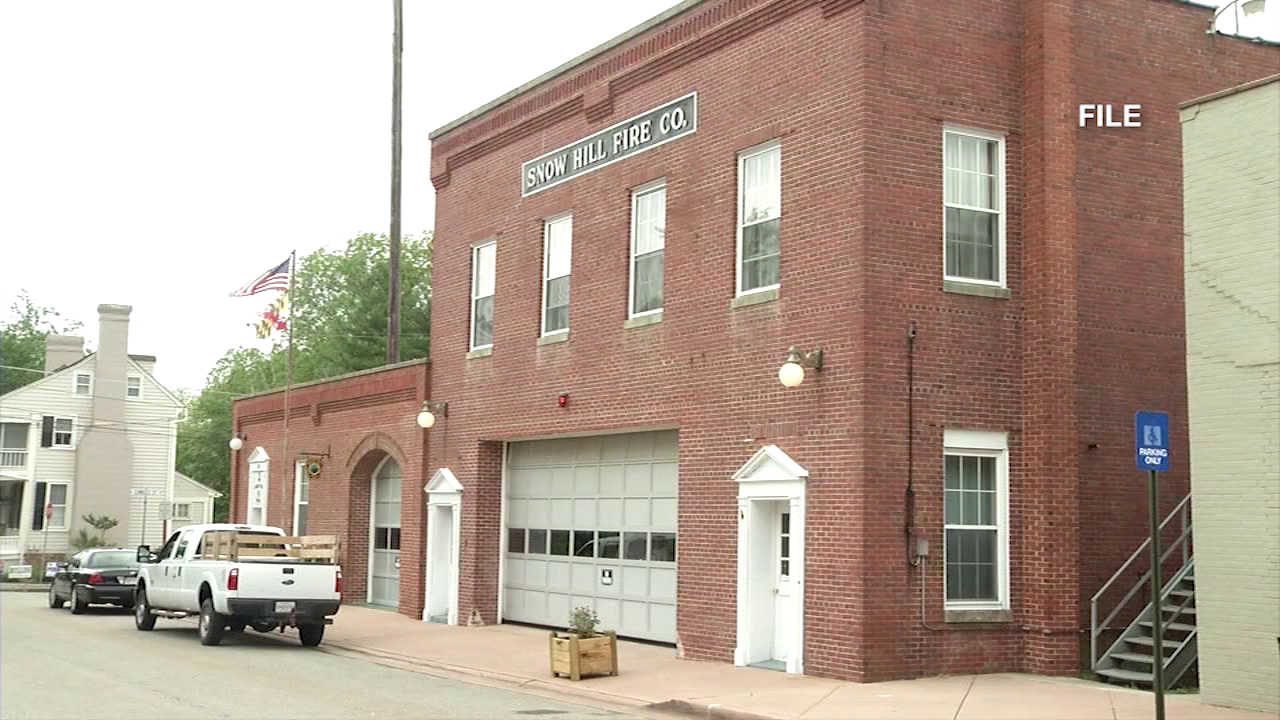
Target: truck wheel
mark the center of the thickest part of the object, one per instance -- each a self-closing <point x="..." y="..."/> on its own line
<point x="142" y="617"/>
<point x="212" y="623"/>
<point x="55" y="602"/>
<point x="311" y="634"/>
<point x="77" y="607"/>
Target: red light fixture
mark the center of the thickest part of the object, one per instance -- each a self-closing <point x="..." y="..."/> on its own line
<point x="233" y="579"/>
<point x="96" y="579"/>
<point x="563" y="400"/>
<point x="337" y="582"/>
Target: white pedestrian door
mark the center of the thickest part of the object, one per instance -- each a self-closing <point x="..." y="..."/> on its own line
<point x="384" y="561"/>
<point x="783" y="590"/>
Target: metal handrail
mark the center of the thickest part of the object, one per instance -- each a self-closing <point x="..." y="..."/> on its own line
<point x="1183" y="540"/>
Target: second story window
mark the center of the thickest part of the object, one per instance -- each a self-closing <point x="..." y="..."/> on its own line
<point x="648" y="239"/>
<point x="759" y="210"/>
<point x="483" y="273"/>
<point x="84" y="384"/>
<point x="133" y="388"/>
<point x="973" y="206"/>
<point x="556" y="255"/>
<point x="57" y="432"/>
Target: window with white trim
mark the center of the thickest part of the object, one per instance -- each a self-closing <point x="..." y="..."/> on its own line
<point x="301" y="499"/>
<point x="483" y="279"/>
<point x="648" y="241"/>
<point x="759" y="211"/>
<point x="133" y="386"/>
<point x="557" y="253"/>
<point x="64" y="432"/>
<point x="57" y="501"/>
<point x="975" y="511"/>
<point x="973" y="206"/>
<point x="182" y="511"/>
<point x="84" y="384"/>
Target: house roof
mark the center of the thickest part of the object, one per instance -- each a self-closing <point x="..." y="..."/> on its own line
<point x="200" y="485"/>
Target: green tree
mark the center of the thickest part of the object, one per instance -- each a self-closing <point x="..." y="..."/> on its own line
<point x="22" y="337"/>
<point x="339" y="320"/>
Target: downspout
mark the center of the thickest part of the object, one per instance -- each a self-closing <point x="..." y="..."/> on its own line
<point x="910" y="498"/>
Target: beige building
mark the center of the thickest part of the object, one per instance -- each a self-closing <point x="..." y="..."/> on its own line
<point x="1231" y="173"/>
<point x="97" y="435"/>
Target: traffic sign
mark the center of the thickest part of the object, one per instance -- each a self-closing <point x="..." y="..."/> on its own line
<point x="1151" y="440"/>
<point x="152" y="492"/>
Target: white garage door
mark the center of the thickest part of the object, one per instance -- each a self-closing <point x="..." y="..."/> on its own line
<point x="592" y="521"/>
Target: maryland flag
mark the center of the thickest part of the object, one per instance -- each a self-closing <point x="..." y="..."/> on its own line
<point x="273" y="318"/>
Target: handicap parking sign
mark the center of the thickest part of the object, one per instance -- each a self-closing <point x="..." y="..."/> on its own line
<point x="1151" y="440"/>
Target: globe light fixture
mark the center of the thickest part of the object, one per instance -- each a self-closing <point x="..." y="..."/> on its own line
<point x="791" y="374"/>
<point x="427" y="415"/>
<point x="236" y="443"/>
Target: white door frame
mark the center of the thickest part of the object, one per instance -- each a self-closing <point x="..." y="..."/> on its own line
<point x="444" y="491"/>
<point x="769" y="477"/>
<point x="373" y="508"/>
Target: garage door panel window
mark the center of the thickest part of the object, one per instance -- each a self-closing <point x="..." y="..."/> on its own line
<point x="663" y="547"/>
<point x="637" y="546"/>
<point x="608" y="545"/>
<point x="515" y="540"/>
<point x="559" y="542"/>
<point x="537" y="542"/>
<point x="584" y="543"/>
<point x="386" y="538"/>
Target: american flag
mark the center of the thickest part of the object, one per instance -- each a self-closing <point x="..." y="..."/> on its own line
<point x="277" y="278"/>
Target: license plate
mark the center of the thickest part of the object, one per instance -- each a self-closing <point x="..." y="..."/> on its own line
<point x="129" y="580"/>
<point x="284" y="607"/>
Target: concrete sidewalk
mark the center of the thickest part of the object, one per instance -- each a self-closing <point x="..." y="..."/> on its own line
<point x="653" y="677"/>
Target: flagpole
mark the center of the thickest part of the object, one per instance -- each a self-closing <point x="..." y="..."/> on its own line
<point x="285" y="487"/>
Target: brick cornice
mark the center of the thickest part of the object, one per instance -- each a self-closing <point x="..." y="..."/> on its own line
<point x="592" y="90"/>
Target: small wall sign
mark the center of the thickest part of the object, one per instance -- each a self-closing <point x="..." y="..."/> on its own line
<point x="1107" y="115"/>
<point x="629" y="137"/>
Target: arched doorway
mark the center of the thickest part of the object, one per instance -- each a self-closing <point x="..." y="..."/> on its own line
<point x="384" y="534"/>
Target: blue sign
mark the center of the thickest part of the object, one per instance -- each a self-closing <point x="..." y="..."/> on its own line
<point x="1151" y="440"/>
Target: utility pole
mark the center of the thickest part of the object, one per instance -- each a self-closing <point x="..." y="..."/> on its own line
<point x="393" y="284"/>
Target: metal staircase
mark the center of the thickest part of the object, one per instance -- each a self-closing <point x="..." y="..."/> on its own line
<point x="1130" y="657"/>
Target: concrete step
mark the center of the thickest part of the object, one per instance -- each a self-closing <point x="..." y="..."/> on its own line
<point x="1126" y="675"/>
<point x="1134" y="657"/>
<point x="1183" y="593"/>
<point x="1168" y="645"/>
<point x="1189" y="610"/>
<point x="1177" y="626"/>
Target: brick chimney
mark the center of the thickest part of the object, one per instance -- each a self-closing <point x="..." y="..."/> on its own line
<point x="61" y="351"/>
<point x="104" y="458"/>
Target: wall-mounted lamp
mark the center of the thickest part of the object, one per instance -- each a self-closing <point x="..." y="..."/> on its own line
<point x="1250" y="8"/>
<point x="427" y="416"/>
<point x="237" y="441"/>
<point x="791" y="373"/>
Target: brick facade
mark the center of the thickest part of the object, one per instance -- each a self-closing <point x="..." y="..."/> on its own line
<point x="858" y="94"/>
<point x="351" y="423"/>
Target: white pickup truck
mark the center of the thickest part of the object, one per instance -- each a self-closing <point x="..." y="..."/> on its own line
<point x="238" y="576"/>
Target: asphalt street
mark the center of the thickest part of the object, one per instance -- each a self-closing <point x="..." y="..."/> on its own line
<point x="59" y="666"/>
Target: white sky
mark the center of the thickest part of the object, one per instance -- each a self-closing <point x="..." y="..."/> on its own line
<point x="160" y="154"/>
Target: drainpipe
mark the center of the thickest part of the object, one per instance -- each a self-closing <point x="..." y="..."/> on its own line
<point x="910" y="498"/>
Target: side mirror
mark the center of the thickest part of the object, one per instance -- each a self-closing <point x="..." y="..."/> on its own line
<point x="145" y="555"/>
<point x="62" y="565"/>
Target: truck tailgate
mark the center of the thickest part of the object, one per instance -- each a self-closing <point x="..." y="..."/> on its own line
<point x="286" y="581"/>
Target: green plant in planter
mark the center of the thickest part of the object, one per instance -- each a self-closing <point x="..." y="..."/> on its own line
<point x="583" y="621"/>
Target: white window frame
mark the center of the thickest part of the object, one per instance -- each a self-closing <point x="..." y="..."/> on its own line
<point x="1002" y="203"/>
<point x="299" y="479"/>
<point x="546" y="265"/>
<point x="75" y="384"/>
<point x="133" y="382"/>
<point x="978" y="443"/>
<point x="636" y="194"/>
<point x="71" y="444"/>
<point x="743" y="156"/>
<point x="475" y="277"/>
<point x="179" y="515"/>
<point x="66" y="504"/>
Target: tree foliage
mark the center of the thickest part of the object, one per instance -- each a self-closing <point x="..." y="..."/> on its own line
<point x="338" y="315"/>
<point x="22" y="337"/>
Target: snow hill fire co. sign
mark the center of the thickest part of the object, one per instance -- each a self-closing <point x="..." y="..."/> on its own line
<point x="629" y="137"/>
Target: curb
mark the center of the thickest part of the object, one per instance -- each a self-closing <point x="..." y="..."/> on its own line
<point x="23" y="587"/>
<point x="713" y="711"/>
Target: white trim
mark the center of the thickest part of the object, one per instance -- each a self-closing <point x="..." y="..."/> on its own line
<point x="299" y="475"/>
<point x="444" y="490"/>
<point x="53" y="439"/>
<point x="175" y="516"/>
<point x="978" y="443"/>
<point x="127" y="387"/>
<point x="636" y="193"/>
<point x="373" y="509"/>
<point x="259" y="456"/>
<point x="475" y="266"/>
<point x="75" y="384"/>
<point x="743" y="155"/>
<point x="1002" y="203"/>
<point x="502" y="532"/>
<point x="546" y="261"/>
<point x="769" y="476"/>
<point x="66" y="503"/>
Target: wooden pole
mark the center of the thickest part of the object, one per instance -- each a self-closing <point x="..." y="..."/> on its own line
<point x="393" y="284"/>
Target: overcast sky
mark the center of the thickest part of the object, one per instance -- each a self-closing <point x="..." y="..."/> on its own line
<point x="160" y="154"/>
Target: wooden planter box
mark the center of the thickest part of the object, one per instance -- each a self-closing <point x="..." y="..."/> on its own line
<point x="575" y="656"/>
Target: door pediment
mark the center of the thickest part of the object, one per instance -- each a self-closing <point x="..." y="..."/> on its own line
<point x="770" y="464"/>
<point x="444" y="481"/>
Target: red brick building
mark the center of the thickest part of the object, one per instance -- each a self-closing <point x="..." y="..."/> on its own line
<point x="360" y="430"/>
<point x="627" y="247"/>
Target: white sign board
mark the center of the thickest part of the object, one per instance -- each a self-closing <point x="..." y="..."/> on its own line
<point x="150" y="492"/>
<point x="50" y="569"/>
<point x="19" y="572"/>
